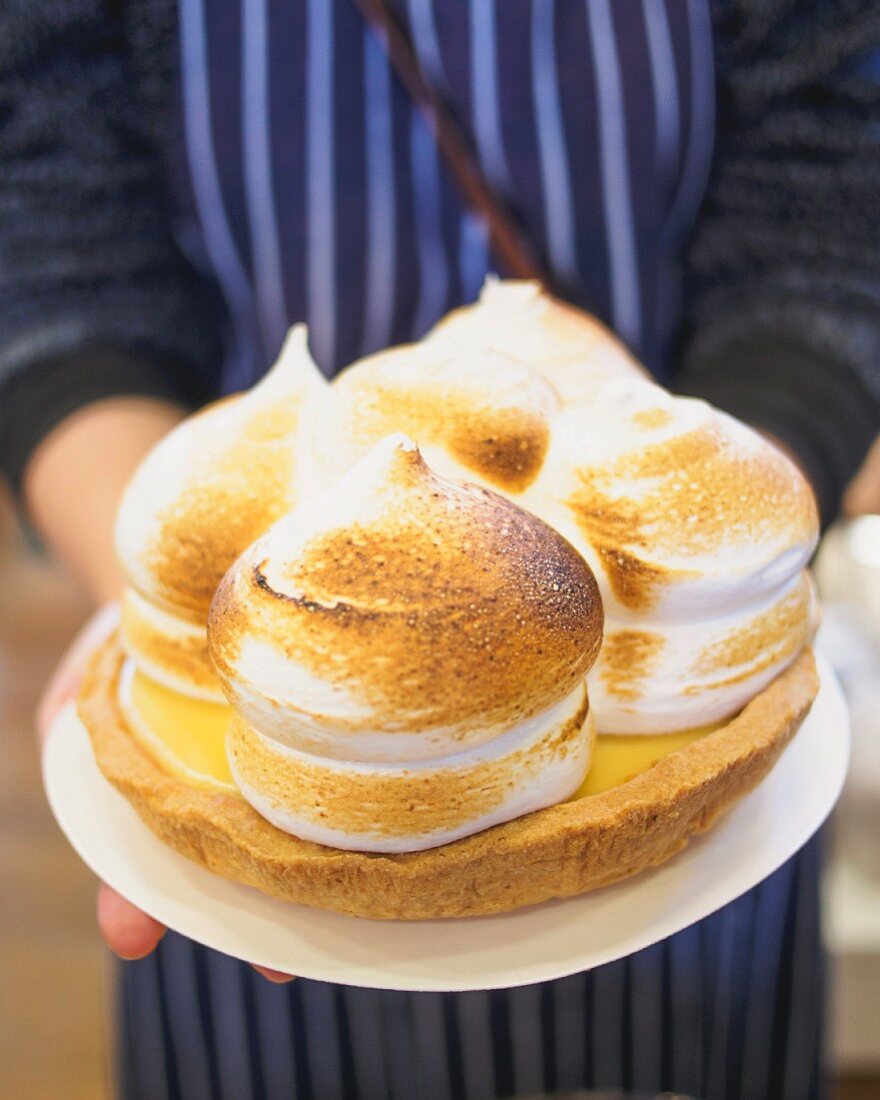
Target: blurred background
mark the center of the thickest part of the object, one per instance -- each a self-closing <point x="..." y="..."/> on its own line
<point x="52" y="1043"/>
<point x="59" y="1045"/>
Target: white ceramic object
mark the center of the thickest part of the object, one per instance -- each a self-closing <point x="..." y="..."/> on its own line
<point x="510" y="949"/>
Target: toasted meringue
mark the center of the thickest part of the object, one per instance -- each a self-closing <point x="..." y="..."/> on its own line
<point x="214" y="484"/>
<point x="414" y="805"/>
<point x="405" y="622"/>
<point x="681" y="510"/>
<point x="200" y="497"/>
<point x="694" y="526"/>
<point x="662" y="677"/>
<point x="398" y="607"/>
<point x="170" y="650"/>
<point x="408" y="657"/>
<point x="475" y="413"/>
<point x="573" y="351"/>
<point x="697" y="530"/>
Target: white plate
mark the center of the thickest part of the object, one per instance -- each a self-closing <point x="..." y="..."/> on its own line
<point x="529" y="945"/>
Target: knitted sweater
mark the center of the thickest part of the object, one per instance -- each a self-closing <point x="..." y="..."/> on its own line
<point x="782" y="302"/>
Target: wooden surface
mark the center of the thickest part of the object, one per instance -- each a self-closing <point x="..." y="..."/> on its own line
<point x="54" y="1038"/>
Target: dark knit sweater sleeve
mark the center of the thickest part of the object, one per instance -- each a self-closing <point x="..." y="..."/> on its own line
<point x="95" y="298"/>
<point x="783" y="281"/>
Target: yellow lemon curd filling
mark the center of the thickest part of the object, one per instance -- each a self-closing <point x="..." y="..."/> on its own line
<point x="188" y="736"/>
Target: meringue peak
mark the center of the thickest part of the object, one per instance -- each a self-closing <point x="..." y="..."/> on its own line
<point x="400" y="602"/>
<point x="396" y="458"/>
<point x="216" y="483"/>
<point x="294" y="369"/>
<point x="571" y="350"/>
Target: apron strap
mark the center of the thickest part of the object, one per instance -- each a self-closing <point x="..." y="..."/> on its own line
<point x="510" y="246"/>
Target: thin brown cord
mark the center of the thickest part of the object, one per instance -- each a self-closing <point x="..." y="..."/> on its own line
<point x="513" y="252"/>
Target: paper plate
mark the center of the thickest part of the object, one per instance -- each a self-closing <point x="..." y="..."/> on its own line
<point x="528" y="945"/>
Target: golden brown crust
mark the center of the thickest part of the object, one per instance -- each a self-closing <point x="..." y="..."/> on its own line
<point x="558" y="852"/>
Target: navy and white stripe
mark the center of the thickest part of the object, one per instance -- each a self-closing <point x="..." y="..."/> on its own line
<point x="558" y="202"/>
<point x="319" y="272"/>
<point x="616" y="188"/>
<point x="380" y="287"/>
<point x="257" y="159"/>
<point x="725" y="1010"/>
<point x="208" y="199"/>
<point x="319" y="195"/>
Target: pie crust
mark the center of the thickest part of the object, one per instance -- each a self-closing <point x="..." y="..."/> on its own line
<point x="554" y="853"/>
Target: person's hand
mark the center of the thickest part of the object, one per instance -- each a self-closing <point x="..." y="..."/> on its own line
<point x="128" y="931"/>
<point x="863" y="494"/>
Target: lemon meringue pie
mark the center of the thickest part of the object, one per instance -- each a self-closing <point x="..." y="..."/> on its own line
<point x="366" y="670"/>
<point x="407" y="660"/>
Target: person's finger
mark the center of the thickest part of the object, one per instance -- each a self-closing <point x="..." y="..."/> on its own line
<point x="863" y="492"/>
<point x="128" y="931"/>
<point x="276" y="976"/>
<point x="68" y="675"/>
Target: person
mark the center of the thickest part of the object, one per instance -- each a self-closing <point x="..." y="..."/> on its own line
<point x="180" y="182"/>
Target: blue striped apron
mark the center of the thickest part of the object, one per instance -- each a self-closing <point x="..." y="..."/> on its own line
<point x="314" y="191"/>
